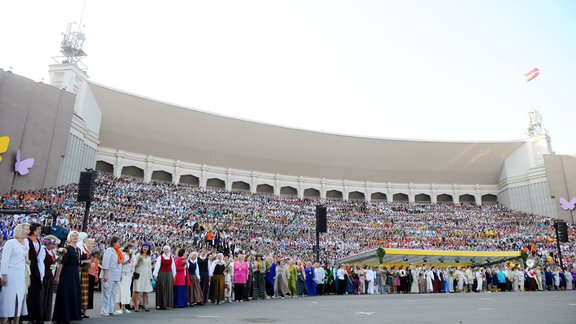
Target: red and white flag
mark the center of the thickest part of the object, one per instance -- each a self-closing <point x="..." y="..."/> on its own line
<point x="532" y="74"/>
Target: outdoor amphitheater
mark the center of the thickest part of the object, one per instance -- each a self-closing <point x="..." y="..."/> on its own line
<point x="452" y="214"/>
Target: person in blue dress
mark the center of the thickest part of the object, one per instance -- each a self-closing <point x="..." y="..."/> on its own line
<point x="309" y="280"/>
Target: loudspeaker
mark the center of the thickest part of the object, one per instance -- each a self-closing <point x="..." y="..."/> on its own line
<point x="562" y="229"/>
<point x="86" y="185"/>
<point x="321" y="226"/>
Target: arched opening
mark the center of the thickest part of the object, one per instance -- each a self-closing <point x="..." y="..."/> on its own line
<point x="215" y="183"/>
<point x="378" y="196"/>
<point x="132" y="171"/>
<point x="489" y="199"/>
<point x="190" y="180"/>
<point x="334" y="195"/>
<point x="467" y="199"/>
<point x="356" y="196"/>
<point x="240" y="186"/>
<point x="265" y="189"/>
<point x="444" y="199"/>
<point x="311" y="193"/>
<point x="400" y="197"/>
<point x="161" y="176"/>
<point x="289" y="192"/>
<point x="104" y="167"/>
<point x="422" y="198"/>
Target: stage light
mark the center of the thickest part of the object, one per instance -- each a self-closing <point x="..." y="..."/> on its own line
<point x="457" y="259"/>
<point x="425" y="259"/>
<point x="405" y="258"/>
<point x="441" y="259"/>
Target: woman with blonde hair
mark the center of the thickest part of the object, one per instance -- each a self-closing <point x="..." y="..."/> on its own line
<point x="68" y="297"/>
<point x="14" y="271"/>
<point x="123" y="298"/>
<point x="164" y="273"/>
<point x="217" y="282"/>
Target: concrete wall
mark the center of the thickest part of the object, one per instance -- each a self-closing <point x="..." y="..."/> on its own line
<point x="37" y="119"/>
<point x="561" y="172"/>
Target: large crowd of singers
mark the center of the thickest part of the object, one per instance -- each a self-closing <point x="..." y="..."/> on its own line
<point x="32" y="266"/>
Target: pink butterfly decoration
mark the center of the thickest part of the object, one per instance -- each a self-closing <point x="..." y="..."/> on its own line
<point x="23" y="167"/>
<point x="568" y="205"/>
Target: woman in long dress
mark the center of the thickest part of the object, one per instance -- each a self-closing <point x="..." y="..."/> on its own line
<point x="292" y="277"/>
<point x="13" y="269"/>
<point x="414" y="289"/>
<point x="281" y="280"/>
<point x="92" y="266"/>
<point x="195" y="295"/>
<point x="50" y="243"/>
<point x="164" y="273"/>
<point x="142" y="285"/>
<point x="68" y="297"/>
<point x="124" y="296"/>
<point x="217" y="282"/>
<point x="259" y="278"/>
<point x="181" y="280"/>
<point x="36" y="254"/>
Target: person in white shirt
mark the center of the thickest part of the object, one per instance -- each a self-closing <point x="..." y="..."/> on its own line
<point x="111" y="274"/>
<point x="164" y="273"/>
<point x="370" y="276"/>
<point x="319" y="276"/>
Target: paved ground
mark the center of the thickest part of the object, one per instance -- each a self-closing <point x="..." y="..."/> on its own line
<point x="533" y="307"/>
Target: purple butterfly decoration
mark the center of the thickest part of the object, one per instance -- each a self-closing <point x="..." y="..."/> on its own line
<point x="23" y="167"/>
<point x="568" y="205"/>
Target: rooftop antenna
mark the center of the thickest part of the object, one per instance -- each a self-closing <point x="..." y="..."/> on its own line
<point x="535" y="123"/>
<point x="72" y="43"/>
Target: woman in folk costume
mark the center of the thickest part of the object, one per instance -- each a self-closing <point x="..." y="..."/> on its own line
<point x="181" y="280"/>
<point x="370" y="278"/>
<point x="228" y="274"/>
<point x="281" y="280"/>
<point x="88" y="274"/>
<point x="50" y="243"/>
<point x="141" y="285"/>
<point x="14" y="270"/>
<point x="204" y="270"/>
<point x="309" y="279"/>
<point x="124" y="296"/>
<point x="292" y="277"/>
<point x="84" y="266"/>
<point x="164" y="272"/>
<point x="195" y="295"/>
<point x="259" y="278"/>
<point x="414" y="289"/>
<point x="36" y="255"/>
<point x="217" y="281"/>
<point x="67" y="306"/>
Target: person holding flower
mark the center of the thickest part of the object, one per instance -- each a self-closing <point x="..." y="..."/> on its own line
<point x="123" y="298"/>
<point x="13" y="269"/>
<point x="68" y="297"/>
<point x="141" y="284"/>
<point x="228" y="274"/>
<point x="259" y="278"/>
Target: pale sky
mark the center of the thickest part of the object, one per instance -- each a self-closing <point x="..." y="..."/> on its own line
<point x="440" y="70"/>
